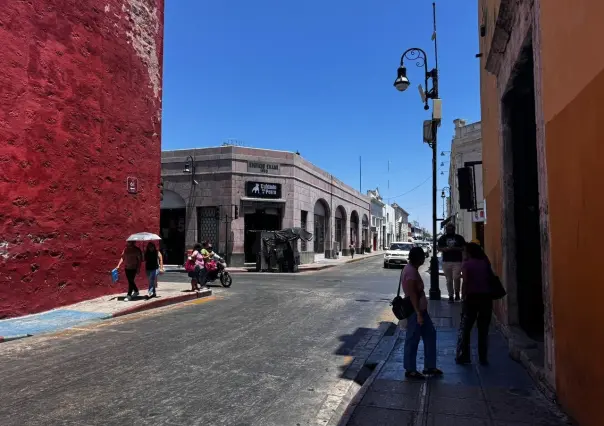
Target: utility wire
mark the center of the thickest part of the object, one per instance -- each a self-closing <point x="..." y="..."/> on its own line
<point x="412" y="189"/>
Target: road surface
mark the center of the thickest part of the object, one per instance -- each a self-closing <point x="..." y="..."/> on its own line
<point x="264" y="352"/>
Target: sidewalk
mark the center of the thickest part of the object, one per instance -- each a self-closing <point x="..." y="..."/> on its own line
<point x="316" y="266"/>
<point x="501" y="394"/>
<point x="92" y="310"/>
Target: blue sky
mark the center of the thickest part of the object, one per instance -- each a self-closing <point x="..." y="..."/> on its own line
<point x="316" y="76"/>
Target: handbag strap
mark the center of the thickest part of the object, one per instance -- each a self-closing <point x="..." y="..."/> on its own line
<point x="400" y="283"/>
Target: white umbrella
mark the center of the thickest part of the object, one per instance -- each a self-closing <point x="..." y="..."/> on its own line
<point x="144" y="236"/>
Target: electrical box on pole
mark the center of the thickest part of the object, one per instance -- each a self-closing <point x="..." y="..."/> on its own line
<point x="428" y="132"/>
<point x="437" y="110"/>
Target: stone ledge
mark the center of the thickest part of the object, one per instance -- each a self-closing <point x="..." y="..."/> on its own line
<point x="526" y="351"/>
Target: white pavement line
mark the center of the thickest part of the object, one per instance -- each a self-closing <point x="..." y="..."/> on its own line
<point x="420" y="419"/>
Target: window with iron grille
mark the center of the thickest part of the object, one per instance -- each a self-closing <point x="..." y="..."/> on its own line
<point x="208" y="224"/>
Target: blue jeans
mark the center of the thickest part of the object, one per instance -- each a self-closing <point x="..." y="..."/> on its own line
<point x="427" y="333"/>
<point x="152" y="277"/>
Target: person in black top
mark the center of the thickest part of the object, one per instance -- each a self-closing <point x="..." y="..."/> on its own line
<point x="154" y="264"/>
<point x="451" y="246"/>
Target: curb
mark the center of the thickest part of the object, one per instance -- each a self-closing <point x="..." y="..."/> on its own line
<point x="17" y="337"/>
<point x="356" y="400"/>
<point x="158" y="303"/>
<point x="300" y="270"/>
<point x="353" y="398"/>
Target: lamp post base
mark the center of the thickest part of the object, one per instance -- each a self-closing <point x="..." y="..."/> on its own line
<point x="434" y="279"/>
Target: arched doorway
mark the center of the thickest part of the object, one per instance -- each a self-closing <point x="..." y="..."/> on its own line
<point x="321" y="216"/>
<point x="340" y="229"/>
<point x="172" y="228"/>
<point x="365" y="231"/>
<point x="354" y="228"/>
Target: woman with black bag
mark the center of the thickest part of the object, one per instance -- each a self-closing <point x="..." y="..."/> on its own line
<point x="477" y="303"/>
<point x="419" y="323"/>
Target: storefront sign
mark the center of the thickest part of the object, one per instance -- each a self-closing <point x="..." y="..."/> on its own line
<point x="257" y="167"/>
<point x="132" y="185"/>
<point x="263" y="190"/>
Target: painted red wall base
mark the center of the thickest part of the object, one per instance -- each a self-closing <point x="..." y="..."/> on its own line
<point x="80" y="112"/>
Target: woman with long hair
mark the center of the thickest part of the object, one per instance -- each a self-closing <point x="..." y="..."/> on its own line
<point x="419" y="324"/>
<point x="154" y="264"/>
<point x="477" y="303"/>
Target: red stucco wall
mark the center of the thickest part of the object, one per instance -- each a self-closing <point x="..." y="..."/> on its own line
<point x="80" y="111"/>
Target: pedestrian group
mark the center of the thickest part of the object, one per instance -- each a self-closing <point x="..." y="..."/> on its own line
<point x="462" y="261"/>
<point x="132" y="257"/>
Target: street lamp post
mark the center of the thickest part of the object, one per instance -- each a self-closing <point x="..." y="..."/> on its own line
<point x="401" y="84"/>
<point x="190" y="168"/>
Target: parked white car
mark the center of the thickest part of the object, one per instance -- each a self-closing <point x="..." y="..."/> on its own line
<point x="397" y="254"/>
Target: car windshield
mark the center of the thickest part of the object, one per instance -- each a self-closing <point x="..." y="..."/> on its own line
<point x="400" y="246"/>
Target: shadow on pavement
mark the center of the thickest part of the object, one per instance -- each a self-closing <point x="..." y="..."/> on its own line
<point x="501" y="393"/>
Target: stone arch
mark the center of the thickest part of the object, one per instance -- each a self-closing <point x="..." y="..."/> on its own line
<point x="322" y="226"/>
<point x="172" y="200"/>
<point x="365" y="230"/>
<point x="340" y="234"/>
<point x="354" y="228"/>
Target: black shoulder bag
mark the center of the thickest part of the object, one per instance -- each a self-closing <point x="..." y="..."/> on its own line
<point x="402" y="308"/>
<point x="496" y="287"/>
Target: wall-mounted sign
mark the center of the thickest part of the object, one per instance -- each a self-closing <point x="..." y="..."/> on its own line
<point x="478" y="216"/>
<point x="260" y="167"/>
<point x="132" y="185"/>
<point x="263" y="190"/>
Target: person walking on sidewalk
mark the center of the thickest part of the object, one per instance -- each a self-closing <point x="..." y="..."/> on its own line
<point x="132" y="258"/>
<point x="154" y="264"/>
<point x="352" y="250"/>
<point x="451" y="245"/>
<point x="477" y="304"/>
<point x="419" y="324"/>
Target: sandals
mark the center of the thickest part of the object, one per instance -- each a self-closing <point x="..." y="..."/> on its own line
<point x="414" y="375"/>
<point x="433" y="372"/>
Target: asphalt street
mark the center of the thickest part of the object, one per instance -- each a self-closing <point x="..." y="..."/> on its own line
<point x="266" y="352"/>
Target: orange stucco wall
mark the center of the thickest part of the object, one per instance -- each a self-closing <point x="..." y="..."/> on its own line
<point x="491" y="155"/>
<point x="573" y="90"/>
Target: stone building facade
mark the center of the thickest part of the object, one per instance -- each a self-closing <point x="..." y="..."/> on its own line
<point x="466" y="149"/>
<point x="378" y="222"/>
<point x="80" y="118"/>
<point x="229" y="192"/>
<point x="542" y="156"/>
<point x="401" y="218"/>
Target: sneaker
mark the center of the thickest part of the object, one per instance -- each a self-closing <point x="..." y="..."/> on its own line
<point x="127" y="299"/>
<point x="135" y="294"/>
<point x="457" y="297"/>
<point x="204" y="288"/>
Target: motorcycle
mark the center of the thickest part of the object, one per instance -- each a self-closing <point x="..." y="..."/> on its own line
<point x="220" y="272"/>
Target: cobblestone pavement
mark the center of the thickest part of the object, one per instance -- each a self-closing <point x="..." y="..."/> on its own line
<point x="501" y="394"/>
